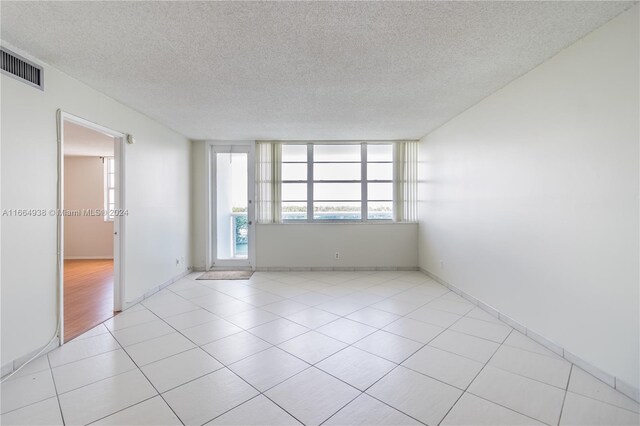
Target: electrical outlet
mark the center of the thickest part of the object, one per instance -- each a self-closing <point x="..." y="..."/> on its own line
<point x="337" y="255"/>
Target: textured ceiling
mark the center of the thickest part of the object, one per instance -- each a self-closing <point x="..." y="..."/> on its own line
<point x="81" y="141"/>
<point x="299" y="70"/>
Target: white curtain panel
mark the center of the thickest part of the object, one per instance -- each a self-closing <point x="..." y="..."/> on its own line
<point x="406" y="181"/>
<point x="268" y="182"/>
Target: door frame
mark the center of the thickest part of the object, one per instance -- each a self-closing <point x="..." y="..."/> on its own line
<point x="118" y="221"/>
<point x="229" y="146"/>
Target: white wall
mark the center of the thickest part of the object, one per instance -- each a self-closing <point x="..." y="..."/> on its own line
<point x="530" y="199"/>
<point x="199" y="193"/>
<point x="85" y="236"/>
<point x="157" y="197"/>
<point x="308" y="245"/>
<point x="359" y="245"/>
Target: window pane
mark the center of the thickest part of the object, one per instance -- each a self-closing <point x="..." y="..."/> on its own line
<point x="111" y="180"/>
<point x="380" y="191"/>
<point x="380" y="210"/>
<point x="380" y="171"/>
<point x="336" y="153"/>
<point x="376" y="152"/>
<point x="112" y="195"/>
<point x="336" y="191"/>
<point x="294" y="191"/>
<point x="294" y="152"/>
<point x="337" y="211"/>
<point x="110" y="165"/>
<point x="294" y="211"/>
<point x="294" y="171"/>
<point x="336" y="171"/>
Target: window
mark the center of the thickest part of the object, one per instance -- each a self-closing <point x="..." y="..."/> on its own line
<point x="294" y="182"/>
<point x="337" y="182"/>
<point x="109" y="188"/>
<point x="379" y="182"/>
<point x="343" y="182"/>
<point x="346" y="181"/>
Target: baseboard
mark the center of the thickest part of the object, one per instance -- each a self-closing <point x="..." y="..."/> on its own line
<point x="154" y="290"/>
<point x="12" y="366"/>
<point x="615" y="382"/>
<point x="319" y="268"/>
<point x="88" y="258"/>
<point x="333" y="268"/>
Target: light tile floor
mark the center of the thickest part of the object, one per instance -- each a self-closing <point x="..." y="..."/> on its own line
<point x="334" y="348"/>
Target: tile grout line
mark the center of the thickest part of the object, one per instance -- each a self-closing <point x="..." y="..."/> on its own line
<point x="71" y="390"/>
<point x="313" y="366"/>
<point x="108" y="331"/>
<point x="86" y="357"/>
<point x="99" y="380"/>
<point x="507" y="408"/>
<point x="266" y="396"/>
<point x="576" y="360"/>
<point x="30" y="404"/>
<point x="493" y="402"/>
<point x="259" y="393"/>
<point x="382" y="402"/>
<point x="333" y="299"/>
<point x="637" y="413"/>
<point x="50" y="370"/>
<point x="471" y="382"/>
<point x="566" y="391"/>
<point x="378" y="329"/>
<point x="55" y="388"/>
<point x="251" y="399"/>
<point x="106" y="378"/>
<point x="422" y="347"/>
<point x="226" y="366"/>
<point x="400" y="365"/>
<point x="283" y="317"/>
<point x="149" y="381"/>
<point x="123" y="409"/>
<point x="518" y="374"/>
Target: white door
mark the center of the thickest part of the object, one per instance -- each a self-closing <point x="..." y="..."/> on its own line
<point x="232" y="206"/>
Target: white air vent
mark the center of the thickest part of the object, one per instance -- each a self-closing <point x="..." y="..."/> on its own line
<point x="21" y="69"/>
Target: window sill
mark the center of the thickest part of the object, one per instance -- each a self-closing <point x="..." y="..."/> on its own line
<point x="341" y="222"/>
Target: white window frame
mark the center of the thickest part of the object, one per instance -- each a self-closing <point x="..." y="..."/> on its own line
<point x="306" y="181"/>
<point x="109" y="204"/>
<point x="363" y="181"/>
<point x="211" y="195"/>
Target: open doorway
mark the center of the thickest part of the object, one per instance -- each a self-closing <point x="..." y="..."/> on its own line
<point x="90" y="223"/>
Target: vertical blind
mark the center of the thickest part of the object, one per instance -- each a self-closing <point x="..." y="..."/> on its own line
<point x="406" y="182"/>
<point x="268" y="182"/>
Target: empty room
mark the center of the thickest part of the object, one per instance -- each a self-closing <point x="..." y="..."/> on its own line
<point x="320" y="213"/>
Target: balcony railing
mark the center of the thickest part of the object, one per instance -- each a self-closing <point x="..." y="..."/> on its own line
<point x="239" y="234"/>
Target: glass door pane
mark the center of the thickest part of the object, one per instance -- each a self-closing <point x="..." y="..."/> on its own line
<point x="232" y="222"/>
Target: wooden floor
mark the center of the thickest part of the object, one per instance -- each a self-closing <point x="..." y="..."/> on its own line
<point x="88" y="295"/>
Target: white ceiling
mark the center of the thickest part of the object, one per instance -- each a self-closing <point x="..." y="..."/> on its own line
<point x="299" y="70"/>
<point x="84" y="142"/>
